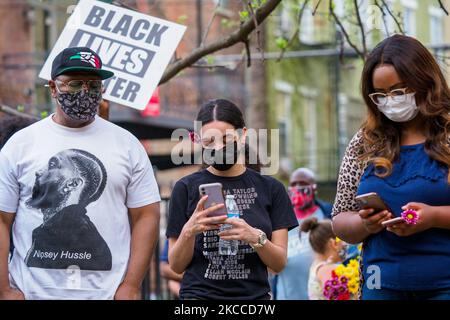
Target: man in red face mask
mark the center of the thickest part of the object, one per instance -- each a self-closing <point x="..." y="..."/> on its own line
<point x="303" y="191"/>
<point x="292" y="282"/>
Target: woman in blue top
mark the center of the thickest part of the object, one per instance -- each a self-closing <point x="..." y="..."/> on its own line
<point x="402" y="152"/>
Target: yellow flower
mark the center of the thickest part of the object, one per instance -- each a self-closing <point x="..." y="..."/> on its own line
<point x="353" y="263"/>
<point x="349" y="273"/>
<point x="360" y="247"/>
<point x="339" y="270"/>
<point x="353" y="287"/>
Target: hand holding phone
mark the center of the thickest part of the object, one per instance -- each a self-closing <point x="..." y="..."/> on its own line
<point x="371" y="201"/>
<point x="372" y="221"/>
<point x="204" y="219"/>
<point x="214" y="191"/>
<point x="391" y="222"/>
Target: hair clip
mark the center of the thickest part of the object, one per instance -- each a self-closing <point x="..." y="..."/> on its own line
<point x="194" y="137"/>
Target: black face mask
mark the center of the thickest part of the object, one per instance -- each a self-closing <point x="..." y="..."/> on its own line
<point x="222" y="159"/>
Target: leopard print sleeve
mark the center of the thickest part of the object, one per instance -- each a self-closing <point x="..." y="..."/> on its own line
<point x="349" y="176"/>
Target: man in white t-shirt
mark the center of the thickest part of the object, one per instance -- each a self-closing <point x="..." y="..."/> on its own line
<point x="80" y="195"/>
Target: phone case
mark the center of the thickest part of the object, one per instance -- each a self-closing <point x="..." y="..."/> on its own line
<point x="391" y="222"/>
<point x="214" y="192"/>
<point x="371" y="200"/>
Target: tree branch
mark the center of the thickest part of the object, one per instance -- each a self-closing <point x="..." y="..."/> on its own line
<point x="341" y="26"/>
<point x="240" y="35"/>
<point x="317" y="7"/>
<point x="443" y="7"/>
<point x="13" y="112"/>
<point x="399" y="25"/>
<point x="380" y="7"/>
<point x="258" y="29"/>
<point x="361" y="27"/>
<point x="297" y="30"/>
<point x="205" y="35"/>
<point x="248" y="53"/>
<point x="208" y="66"/>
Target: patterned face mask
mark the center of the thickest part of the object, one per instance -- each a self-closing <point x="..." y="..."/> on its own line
<point x="81" y="105"/>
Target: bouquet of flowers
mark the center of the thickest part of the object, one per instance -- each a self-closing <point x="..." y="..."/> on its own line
<point x="344" y="282"/>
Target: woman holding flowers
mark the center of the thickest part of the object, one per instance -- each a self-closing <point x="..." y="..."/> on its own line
<point x="402" y="153"/>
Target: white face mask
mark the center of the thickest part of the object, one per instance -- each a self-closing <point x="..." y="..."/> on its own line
<point x="403" y="111"/>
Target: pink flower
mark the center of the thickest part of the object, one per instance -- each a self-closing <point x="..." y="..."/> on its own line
<point x="343" y="279"/>
<point x="343" y="289"/>
<point x="410" y="216"/>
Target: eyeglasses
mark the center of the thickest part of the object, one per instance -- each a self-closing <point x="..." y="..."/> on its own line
<point x="380" y="99"/>
<point x="306" y="190"/>
<point x="75" y="86"/>
<point x="211" y="143"/>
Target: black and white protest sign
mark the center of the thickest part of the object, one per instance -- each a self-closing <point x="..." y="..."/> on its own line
<point x="135" y="46"/>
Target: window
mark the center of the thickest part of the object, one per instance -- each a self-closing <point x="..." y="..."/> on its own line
<point x="283" y="110"/>
<point x="389" y="22"/>
<point x="307" y="26"/>
<point x="436" y="26"/>
<point x="368" y="13"/>
<point x="409" y="17"/>
<point x="339" y="8"/>
<point x="309" y="116"/>
<point x="284" y="21"/>
<point x="222" y="3"/>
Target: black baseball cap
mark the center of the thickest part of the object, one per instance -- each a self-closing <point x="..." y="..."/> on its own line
<point x="79" y="59"/>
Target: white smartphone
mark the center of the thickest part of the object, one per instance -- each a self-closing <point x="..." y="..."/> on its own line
<point x="391" y="222"/>
<point x="214" y="191"/>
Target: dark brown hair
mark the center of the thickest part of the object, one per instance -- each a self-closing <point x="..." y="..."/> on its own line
<point x="319" y="233"/>
<point x="420" y="72"/>
<point x="226" y="111"/>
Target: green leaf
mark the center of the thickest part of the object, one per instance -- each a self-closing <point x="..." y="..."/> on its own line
<point x="281" y="42"/>
<point x="225" y="22"/>
<point x="210" y="59"/>
<point x="244" y="15"/>
<point x="256" y="4"/>
<point x="182" y="19"/>
<point x="333" y="5"/>
<point x="44" y="114"/>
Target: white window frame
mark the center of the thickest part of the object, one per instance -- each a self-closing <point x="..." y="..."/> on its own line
<point x="412" y="6"/>
<point x="310" y="97"/>
<point x="285" y="20"/>
<point x="436" y="13"/>
<point x="306" y="34"/>
<point x="287" y="90"/>
<point x="339" y="6"/>
<point x="390" y="22"/>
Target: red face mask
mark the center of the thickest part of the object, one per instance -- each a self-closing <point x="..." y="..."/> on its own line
<point x="302" y="198"/>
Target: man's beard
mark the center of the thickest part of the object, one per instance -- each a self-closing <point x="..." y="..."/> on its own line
<point x="47" y="197"/>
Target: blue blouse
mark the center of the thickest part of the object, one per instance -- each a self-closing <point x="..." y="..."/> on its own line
<point x="420" y="261"/>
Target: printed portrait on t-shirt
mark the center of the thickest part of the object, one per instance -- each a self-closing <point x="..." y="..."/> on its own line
<point x="67" y="237"/>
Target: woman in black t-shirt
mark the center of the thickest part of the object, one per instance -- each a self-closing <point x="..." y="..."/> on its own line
<point x="265" y="212"/>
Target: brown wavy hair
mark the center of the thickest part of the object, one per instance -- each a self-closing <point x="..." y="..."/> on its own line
<point x="418" y="69"/>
